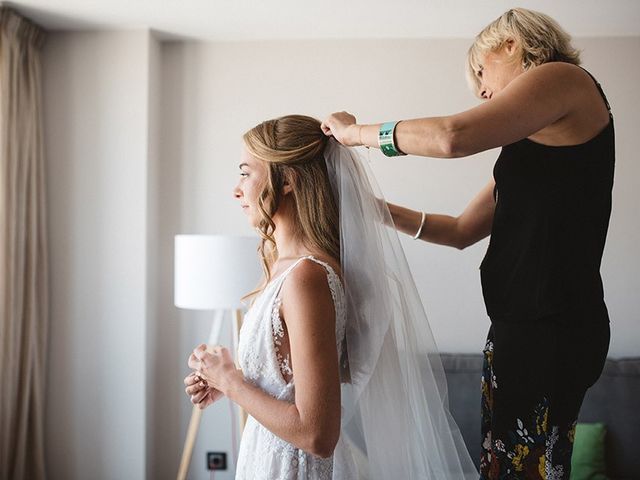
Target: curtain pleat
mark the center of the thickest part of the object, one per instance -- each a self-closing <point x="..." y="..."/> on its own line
<point x="24" y="287"/>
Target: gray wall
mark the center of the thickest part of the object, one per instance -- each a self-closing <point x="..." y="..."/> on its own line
<point x="96" y="89"/>
<point x="143" y="141"/>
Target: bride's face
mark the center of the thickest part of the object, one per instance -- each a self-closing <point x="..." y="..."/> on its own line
<point x="253" y="175"/>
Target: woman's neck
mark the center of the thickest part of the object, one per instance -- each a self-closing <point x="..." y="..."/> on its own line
<point x="288" y="243"/>
<point x="287" y="238"/>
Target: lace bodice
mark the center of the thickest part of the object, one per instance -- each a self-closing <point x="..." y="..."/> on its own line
<point x="263" y="334"/>
<point x="265" y="363"/>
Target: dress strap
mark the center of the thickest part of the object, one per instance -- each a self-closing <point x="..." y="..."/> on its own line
<point x="604" y="97"/>
<point x="326" y="266"/>
<point x="291" y="267"/>
<point x="330" y="271"/>
<point x="333" y="276"/>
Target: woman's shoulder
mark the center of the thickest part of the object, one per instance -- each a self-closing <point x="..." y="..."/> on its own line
<point x="307" y="292"/>
<point x="311" y="275"/>
<point x="313" y="270"/>
<point x="586" y="107"/>
<point x="566" y="76"/>
<point x="561" y="67"/>
<point x="553" y="92"/>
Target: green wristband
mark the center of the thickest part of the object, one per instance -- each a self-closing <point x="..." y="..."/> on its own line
<point x="385" y="140"/>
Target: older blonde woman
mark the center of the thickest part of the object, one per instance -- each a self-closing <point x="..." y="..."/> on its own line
<point x="547" y="210"/>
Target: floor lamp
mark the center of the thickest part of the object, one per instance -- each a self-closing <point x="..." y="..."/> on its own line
<point x="213" y="272"/>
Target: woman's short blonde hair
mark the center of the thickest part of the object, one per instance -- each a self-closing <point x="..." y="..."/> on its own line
<point x="539" y="38"/>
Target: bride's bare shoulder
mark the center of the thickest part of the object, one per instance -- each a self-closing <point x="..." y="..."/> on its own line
<point x="306" y="289"/>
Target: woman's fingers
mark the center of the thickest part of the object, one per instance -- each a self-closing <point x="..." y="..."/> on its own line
<point x="204" y="403"/>
<point x="193" y="389"/>
<point x="199" y="350"/>
<point x="327" y="125"/>
<point x="200" y="396"/>
<point x="199" y="392"/>
<point x="193" y="362"/>
<point x="338" y="124"/>
<point x="197" y="388"/>
<point x="192" y="379"/>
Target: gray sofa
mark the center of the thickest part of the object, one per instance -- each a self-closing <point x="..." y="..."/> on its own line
<point x="613" y="400"/>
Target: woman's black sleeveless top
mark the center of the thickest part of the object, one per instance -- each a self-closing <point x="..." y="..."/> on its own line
<point x="549" y="228"/>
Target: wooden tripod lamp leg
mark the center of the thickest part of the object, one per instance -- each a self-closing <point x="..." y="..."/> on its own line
<point x="192" y="433"/>
<point x="196" y="413"/>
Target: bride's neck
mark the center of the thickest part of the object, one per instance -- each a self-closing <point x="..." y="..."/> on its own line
<point x="288" y="242"/>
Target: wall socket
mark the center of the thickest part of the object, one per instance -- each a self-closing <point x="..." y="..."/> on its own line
<point x="216" y="461"/>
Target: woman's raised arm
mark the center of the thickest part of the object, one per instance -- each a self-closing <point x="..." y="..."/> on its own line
<point x="533" y="100"/>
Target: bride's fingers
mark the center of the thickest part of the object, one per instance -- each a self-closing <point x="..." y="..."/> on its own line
<point x="193" y="362"/>
<point x="192" y="379"/>
<point x="199" y="397"/>
<point x="193" y="389"/>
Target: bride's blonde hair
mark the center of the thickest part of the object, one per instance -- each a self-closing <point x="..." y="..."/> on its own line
<point x="293" y="149"/>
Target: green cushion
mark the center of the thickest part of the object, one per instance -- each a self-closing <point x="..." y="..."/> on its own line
<point x="587" y="461"/>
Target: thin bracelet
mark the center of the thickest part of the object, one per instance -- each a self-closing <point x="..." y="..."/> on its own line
<point x="419" y="232"/>
<point x="360" y="137"/>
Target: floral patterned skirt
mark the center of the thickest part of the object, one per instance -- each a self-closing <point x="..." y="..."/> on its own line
<point x="533" y="382"/>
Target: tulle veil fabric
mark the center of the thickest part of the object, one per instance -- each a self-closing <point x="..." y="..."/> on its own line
<point x="395" y="413"/>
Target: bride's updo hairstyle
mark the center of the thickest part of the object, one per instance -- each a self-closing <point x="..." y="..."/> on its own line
<point x="292" y="147"/>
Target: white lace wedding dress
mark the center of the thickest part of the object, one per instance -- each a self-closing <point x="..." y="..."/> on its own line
<point x="264" y="455"/>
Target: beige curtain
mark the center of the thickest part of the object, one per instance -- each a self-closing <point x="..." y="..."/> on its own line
<point x="23" y="251"/>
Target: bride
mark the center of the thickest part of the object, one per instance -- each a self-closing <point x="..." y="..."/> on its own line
<point x="339" y="372"/>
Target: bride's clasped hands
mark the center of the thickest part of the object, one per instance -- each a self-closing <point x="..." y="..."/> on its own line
<point x="213" y="373"/>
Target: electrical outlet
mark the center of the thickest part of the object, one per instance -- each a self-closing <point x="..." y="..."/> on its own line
<point x="216" y="461"/>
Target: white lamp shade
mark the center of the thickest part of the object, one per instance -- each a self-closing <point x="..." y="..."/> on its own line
<point x="214" y="271"/>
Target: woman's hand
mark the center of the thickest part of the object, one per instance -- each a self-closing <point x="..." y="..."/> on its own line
<point x="343" y="127"/>
<point x="200" y="394"/>
<point x="215" y="367"/>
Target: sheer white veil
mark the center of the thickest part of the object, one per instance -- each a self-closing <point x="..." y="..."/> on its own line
<point x="395" y="411"/>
